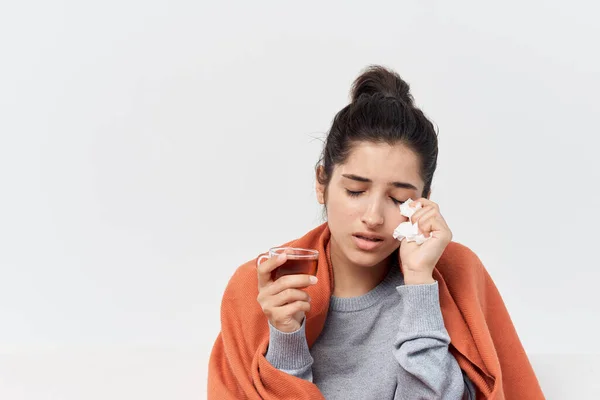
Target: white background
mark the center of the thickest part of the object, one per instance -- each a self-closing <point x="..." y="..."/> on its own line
<point x="147" y="149"/>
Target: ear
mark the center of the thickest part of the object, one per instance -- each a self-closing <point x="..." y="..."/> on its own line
<point x="319" y="188"/>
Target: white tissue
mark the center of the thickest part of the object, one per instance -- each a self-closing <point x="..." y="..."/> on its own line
<point x="407" y="229"/>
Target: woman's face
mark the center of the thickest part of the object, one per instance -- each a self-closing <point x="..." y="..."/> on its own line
<point x="363" y="198"/>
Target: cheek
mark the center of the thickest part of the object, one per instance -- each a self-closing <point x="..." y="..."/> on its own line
<point x="342" y="207"/>
<point x="396" y="218"/>
<point x="342" y="213"/>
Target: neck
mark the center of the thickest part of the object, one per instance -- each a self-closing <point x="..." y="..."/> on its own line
<point x="351" y="280"/>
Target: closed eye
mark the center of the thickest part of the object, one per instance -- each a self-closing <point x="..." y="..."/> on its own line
<point x="353" y="193"/>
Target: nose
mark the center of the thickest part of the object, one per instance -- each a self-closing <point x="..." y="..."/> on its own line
<point x="372" y="217"/>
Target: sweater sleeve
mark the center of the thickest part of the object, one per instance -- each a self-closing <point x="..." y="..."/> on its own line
<point x="289" y="352"/>
<point x="428" y="369"/>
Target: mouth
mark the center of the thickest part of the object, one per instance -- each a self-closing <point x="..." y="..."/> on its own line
<point x="367" y="242"/>
<point x="371" y="239"/>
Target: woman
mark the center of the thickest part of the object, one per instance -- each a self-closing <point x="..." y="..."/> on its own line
<point x="386" y="319"/>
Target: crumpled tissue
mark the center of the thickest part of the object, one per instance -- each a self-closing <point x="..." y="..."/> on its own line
<point x="407" y="229"/>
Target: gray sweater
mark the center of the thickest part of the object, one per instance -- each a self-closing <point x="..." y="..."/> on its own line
<point x="389" y="343"/>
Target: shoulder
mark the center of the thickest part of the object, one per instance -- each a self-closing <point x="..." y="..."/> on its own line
<point x="460" y="263"/>
<point x="461" y="251"/>
<point x="243" y="284"/>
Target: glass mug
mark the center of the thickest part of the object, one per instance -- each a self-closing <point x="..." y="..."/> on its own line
<point x="299" y="261"/>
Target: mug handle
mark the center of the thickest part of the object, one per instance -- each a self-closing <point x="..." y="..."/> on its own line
<point x="259" y="259"/>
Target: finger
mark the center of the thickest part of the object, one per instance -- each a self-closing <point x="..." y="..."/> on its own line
<point x="290" y="282"/>
<point x="265" y="268"/>
<point x="427" y="223"/>
<point x="420" y="212"/>
<point x="426" y="202"/>
<point x="291" y="309"/>
<point x="434" y="224"/>
<point x="288" y="296"/>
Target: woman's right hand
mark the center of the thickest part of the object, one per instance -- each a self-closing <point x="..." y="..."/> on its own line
<point x="283" y="303"/>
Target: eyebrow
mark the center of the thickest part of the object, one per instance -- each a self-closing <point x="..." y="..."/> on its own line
<point x="401" y="185"/>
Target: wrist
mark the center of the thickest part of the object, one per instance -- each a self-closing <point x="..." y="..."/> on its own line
<point x="288" y="351"/>
<point x="418" y="278"/>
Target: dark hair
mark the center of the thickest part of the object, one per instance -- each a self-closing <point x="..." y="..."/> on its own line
<point x="382" y="110"/>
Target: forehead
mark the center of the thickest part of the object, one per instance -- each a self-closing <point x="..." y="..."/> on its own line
<point x="383" y="163"/>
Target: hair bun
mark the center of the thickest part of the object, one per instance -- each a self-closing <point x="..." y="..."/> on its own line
<point x="377" y="79"/>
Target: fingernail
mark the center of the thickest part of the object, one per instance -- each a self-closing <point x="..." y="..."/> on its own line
<point x="313" y="279"/>
<point x="281" y="257"/>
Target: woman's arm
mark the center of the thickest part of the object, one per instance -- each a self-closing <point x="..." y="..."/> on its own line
<point x="237" y="367"/>
<point x="428" y="369"/>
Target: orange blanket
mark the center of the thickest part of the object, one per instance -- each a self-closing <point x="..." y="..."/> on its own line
<point x="483" y="338"/>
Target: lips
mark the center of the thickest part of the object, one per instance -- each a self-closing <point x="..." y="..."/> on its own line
<point x="367" y="238"/>
<point x="367" y="242"/>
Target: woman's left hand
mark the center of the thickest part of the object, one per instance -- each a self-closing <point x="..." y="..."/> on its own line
<point x="418" y="261"/>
